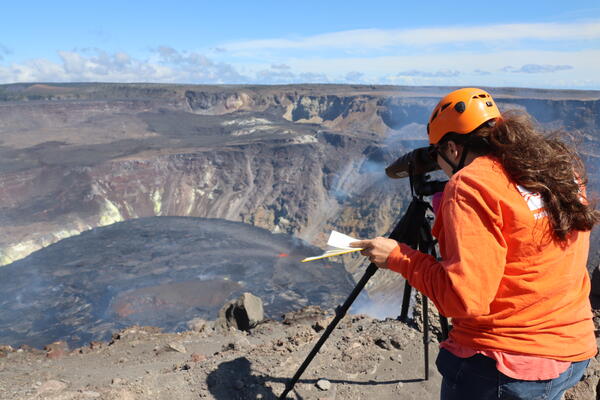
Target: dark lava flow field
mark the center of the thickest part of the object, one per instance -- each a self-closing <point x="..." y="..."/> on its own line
<point x="160" y="271"/>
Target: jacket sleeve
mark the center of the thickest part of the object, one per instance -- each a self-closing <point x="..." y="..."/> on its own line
<point x="466" y="281"/>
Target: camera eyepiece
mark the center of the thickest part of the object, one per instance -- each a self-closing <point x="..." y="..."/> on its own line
<point x="417" y="162"/>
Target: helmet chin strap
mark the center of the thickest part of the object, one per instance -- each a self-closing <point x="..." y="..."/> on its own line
<point x="461" y="162"/>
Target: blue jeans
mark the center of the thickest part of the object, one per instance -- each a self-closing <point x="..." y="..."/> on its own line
<point x="477" y="378"/>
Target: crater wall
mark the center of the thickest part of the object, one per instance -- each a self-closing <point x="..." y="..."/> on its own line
<point x="295" y="159"/>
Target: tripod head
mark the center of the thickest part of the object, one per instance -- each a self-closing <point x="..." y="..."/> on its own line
<point x="422" y="186"/>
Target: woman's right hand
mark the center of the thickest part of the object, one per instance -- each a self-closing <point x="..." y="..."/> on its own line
<point x="377" y="250"/>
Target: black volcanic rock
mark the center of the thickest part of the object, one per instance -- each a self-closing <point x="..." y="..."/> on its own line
<point x="160" y="271"/>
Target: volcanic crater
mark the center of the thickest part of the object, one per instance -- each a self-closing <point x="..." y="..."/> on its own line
<point x="294" y="160"/>
<point x="159" y="271"/>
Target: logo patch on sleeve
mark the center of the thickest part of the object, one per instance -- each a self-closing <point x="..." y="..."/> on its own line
<point x="534" y="202"/>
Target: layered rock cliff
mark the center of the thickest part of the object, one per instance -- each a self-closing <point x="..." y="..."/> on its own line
<point x="294" y="159"/>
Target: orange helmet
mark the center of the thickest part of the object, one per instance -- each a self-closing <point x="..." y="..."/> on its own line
<point x="461" y="111"/>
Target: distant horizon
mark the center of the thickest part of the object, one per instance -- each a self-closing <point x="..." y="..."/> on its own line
<point x="341" y="84"/>
<point x="535" y="44"/>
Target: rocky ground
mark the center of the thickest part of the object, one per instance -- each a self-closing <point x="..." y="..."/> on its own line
<point x="363" y="358"/>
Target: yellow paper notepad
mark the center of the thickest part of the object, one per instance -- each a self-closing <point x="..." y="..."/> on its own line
<point x="337" y="244"/>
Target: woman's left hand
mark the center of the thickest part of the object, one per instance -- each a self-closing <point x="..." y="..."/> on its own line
<point x="378" y="250"/>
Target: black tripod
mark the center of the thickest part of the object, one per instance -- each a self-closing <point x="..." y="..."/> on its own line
<point x="425" y="243"/>
<point x="414" y="230"/>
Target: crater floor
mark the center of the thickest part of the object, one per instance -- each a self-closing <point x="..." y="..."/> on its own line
<point x="160" y="271"/>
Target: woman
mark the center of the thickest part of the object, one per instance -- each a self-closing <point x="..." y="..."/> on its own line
<point x="513" y="228"/>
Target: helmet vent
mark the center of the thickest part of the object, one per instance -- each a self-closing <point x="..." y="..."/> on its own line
<point x="483" y="96"/>
<point x="460" y="107"/>
<point x="489" y="103"/>
<point x="445" y="106"/>
<point x="435" y="114"/>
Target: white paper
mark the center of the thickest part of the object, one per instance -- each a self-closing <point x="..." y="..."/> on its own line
<point x="338" y="241"/>
<point x="337" y="244"/>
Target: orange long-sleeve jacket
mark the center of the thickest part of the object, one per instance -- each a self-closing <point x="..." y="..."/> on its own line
<point x="506" y="284"/>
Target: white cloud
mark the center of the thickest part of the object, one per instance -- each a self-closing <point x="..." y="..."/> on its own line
<point x="435" y="56"/>
<point x="380" y="38"/>
<point x="518" y="55"/>
<point x="269" y="76"/>
<point x="537" y="68"/>
<point x="169" y="55"/>
<point x="198" y="67"/>
<point x="354" y="77"/>
<point x="443" y="73"/>
<point x="166" y="65"/>
<point x="312" y="77"/>
<point x="472" y="66"/>
<point x="280" y="66"/>
<point x="36" y="70"/>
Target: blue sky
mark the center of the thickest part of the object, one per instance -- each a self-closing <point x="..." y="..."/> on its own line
<point x="549" y="44"/>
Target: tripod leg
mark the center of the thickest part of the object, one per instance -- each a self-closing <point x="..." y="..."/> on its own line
<point x="405" y="302"/>
<point x="444" y="325"/>
<point x="426" y="335"/>
<point x="339" y="314"/>
<point x="403" y="232"/>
